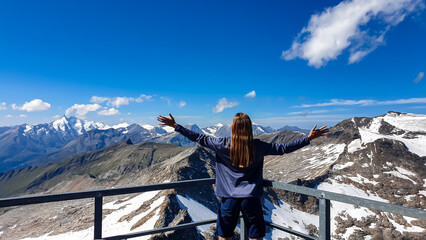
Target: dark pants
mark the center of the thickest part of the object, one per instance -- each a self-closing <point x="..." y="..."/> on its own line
<point x="229" y="211"/>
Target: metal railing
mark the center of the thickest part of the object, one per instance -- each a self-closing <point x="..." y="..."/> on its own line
<point x="324" y="206"/>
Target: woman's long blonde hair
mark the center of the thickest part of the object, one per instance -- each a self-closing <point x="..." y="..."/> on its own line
<point x="242" y="148"/>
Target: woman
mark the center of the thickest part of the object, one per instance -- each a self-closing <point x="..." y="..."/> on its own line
<point x="239" y="171"/>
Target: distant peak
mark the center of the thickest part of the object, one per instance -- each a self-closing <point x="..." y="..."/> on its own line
<point x="121" y="125"/>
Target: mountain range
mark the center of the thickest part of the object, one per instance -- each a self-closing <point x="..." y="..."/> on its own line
<point x="381" y="158"/>
<point x="33" y="145"/>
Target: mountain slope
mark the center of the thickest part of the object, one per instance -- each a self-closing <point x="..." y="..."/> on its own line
<point x="121" y="164"/>
<point x="348" y="161"/>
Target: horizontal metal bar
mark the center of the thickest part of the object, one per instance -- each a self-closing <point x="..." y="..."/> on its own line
<point x="296" y="233"/>
<point x="27" y="200"/>
<point x="160" y="230"/>
<point x="380" y="206"/>
<point x="292" y="188"/>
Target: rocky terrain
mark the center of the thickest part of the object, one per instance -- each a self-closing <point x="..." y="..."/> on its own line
<point x="381" y="158"/>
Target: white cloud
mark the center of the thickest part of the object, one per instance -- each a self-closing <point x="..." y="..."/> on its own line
<point x="302" y="121"/>
<point x="8" y="116"/>
<point x="96" y="99"/>
<point x="82" y="109"/>
<point x="182" y="104"/>
<point x="340" y="102"/>
<point x="416" y="80"/>
<point x="346" y="26"/>
<point x="36" y="105"/>
<point x="251" y="94"/>
<point x="169" y="102"/>
<point x="23" y="116"/>
<point x="109" y="112"/>
<point x="143" y="97"/>
<point x="57" y="117"/>
<point x="3" y="106"/>
<point x="118" y="101"/>
<point x="223" y="104"/>
<point x="305" y="113"/>
<point x="402" y="101"/>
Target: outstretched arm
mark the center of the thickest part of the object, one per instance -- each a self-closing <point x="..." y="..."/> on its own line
<point x="279" y="148"/>
<point x="215" y="144"/>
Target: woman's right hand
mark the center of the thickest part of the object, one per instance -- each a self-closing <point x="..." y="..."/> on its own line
<point x="168" y="121"/>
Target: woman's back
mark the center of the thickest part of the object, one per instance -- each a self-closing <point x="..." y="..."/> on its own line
<point x="239" y="182"/>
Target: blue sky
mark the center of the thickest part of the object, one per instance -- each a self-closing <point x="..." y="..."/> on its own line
<point x="308" y="62"/>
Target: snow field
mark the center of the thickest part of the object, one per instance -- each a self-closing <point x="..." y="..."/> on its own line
<point x="407" y="122"/>
<point x="362" y="179"/>
<point x="110" y="224"/>
<point x="416" y="145"/>
<point x="288" y="217"/>
<point x="354" y="146"/>
<point x="357" y="212"/>
<point x="197" y="211"/>
<point x="332" y="151"/>
<point x="400" y="175"/>
<point x="342" y="166"/>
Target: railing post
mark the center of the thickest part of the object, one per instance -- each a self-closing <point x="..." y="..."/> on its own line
<point x="324" y="219"/>
<point x="98" y="216"/>
<point x="243" y="229"/>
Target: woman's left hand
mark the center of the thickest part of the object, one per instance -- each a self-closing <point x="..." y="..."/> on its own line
<point x="317" y="132"/>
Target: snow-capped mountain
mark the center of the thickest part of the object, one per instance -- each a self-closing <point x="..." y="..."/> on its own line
<point x="32" y="145"/>
<point x="376" y="158"/>
<point x="25" y="142"/>
<point x="224" y="130"/>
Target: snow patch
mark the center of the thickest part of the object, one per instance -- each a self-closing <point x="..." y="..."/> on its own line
<point x="27" y="128"/>
<point x="289" y="217"/>
<point x="79" y="127"/>
<point x="111" y="225"/>
<point x="361" y="179"/>
<point x="326" y="155"/>
<point x="339" y="208"/>
<point x="120" y="125"/>
<point x="197" y="211"/>
<point x="399" y="175"/>
<point x="354" y="146"/>
<point x="407" y="121"/>
<point x="402" y="228"/>
<point x="405" y="172"/>
<point x="415" y="145"/>
<point x="168" y="129"/>
<point x="349" y="231"/>
<point x="342" y="166"/>
<point x="148" y="127"/>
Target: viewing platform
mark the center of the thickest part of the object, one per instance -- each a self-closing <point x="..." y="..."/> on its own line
<point x="324" y="198"/>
